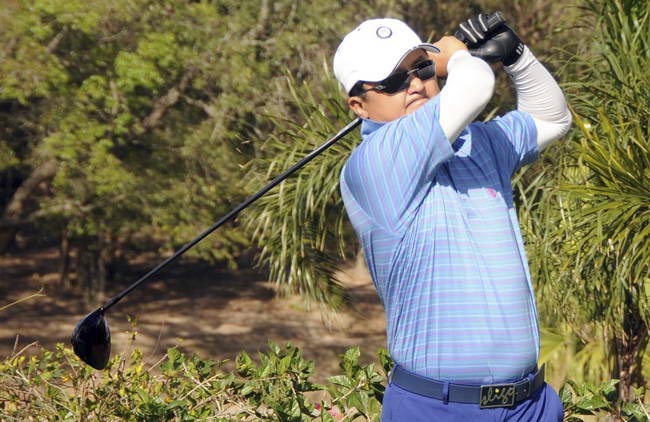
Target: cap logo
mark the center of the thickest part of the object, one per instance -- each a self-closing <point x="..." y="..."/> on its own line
<point x="384" y="32"/>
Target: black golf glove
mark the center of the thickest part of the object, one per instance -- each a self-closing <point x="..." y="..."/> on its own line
<point x="490" y="44"/>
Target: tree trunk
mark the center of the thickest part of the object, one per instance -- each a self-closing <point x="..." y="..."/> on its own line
<point x="117" y="265"/>
<point x="64" y="257"/>
<point x="164" y="103"/>
<point x="91" y="269"/>
<point x="14" y="213"/>
<point x="629" y="351"/>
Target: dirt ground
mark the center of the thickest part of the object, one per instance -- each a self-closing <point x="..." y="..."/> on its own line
<point x="212" y="312"/>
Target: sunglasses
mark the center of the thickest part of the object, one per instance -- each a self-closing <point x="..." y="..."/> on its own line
<point x="399" y="81"/>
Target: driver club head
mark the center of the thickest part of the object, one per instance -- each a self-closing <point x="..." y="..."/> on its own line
<point x="91" y="339"/>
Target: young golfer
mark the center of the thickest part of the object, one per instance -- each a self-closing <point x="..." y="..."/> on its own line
<point x="429" y="194"/>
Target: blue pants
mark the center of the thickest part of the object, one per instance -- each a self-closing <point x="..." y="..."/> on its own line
<point x="403" y="406"/>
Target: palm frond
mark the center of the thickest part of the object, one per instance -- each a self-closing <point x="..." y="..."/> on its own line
<point x="301" y="228"/>
<point x="612" y="222"/>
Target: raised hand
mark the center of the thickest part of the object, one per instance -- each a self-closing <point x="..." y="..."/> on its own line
<point x="491" y="39"/>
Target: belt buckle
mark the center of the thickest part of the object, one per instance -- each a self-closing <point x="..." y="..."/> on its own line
<point x="497" y="395"/>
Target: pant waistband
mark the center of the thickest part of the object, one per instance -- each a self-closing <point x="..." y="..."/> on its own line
<point x="487" y="396"/>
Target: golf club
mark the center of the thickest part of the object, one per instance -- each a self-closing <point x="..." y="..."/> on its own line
<point x="91" y="337"/>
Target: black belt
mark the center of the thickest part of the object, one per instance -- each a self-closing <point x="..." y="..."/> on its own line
<point x="487" y="396"/>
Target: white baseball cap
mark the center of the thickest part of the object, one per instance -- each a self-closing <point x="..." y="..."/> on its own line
<point x="374" y="50"/>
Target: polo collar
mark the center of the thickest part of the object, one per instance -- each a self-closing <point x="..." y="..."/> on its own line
<point x="369" y="126"/>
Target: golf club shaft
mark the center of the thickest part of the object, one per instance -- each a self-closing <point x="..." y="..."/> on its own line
<point x="233" y="213"/>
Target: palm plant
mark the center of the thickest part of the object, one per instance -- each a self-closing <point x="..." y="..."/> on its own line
<point x="604" y="218"/>
<point x="301" y="227"/>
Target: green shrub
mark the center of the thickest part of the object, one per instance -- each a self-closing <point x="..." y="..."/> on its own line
<point x="277" y="386"/>
<point x="588" y="399"/>
<point x="56" y="386"/>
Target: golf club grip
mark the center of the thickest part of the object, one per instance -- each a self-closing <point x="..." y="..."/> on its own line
<point x="494" y="21"/>
<point x="233" y="213"/>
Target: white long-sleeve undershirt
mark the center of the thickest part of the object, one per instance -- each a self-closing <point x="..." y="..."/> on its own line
<point x="470" y="85"/>
<point x="539" y="95"/>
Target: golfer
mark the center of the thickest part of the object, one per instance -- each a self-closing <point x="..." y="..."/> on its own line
<point x="429" y="194"/>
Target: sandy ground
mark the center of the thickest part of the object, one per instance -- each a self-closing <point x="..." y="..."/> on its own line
<point x="209" y="311"/>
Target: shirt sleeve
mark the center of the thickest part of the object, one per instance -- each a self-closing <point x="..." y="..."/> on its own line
<point x="513" y="141"/>
<point x="469" y="87"/>
<point x="388" y="175"/>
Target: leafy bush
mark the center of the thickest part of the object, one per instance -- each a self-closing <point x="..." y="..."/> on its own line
<point x="277" y="386"/>
<point x="588" y="399"/>
<point x="56" y="386"/>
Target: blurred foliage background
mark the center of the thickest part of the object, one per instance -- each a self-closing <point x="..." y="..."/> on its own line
<point x="132" y="125"/>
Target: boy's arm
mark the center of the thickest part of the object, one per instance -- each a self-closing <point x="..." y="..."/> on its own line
<point x="469" y="86"/>
<point x="539" y="95"/>
<point x="537" y="92"/>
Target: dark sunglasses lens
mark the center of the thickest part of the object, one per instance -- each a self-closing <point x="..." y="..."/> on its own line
<point x="395" y="83"/>
<point x="91" y="340"/>
<point x="400" y="81"/>
<point x="426" y="72"/>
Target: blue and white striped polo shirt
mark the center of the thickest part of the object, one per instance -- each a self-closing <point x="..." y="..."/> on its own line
<point x="441" y="239"/>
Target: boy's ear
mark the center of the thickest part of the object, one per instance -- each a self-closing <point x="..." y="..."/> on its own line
<point x="357" y="105"/>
